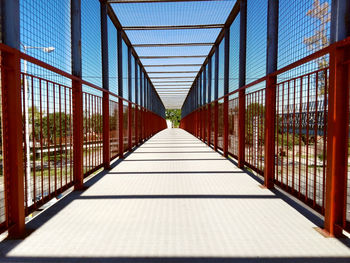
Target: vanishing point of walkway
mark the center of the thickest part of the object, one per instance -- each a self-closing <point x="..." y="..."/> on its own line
<point x="175" y="200"/>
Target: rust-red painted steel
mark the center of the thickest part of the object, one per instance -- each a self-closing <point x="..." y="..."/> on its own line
<point x="270" y="113"/>
<point x="106" y="132"/>
<point x="241" y="128"/>
<point x="78" y="134"/>
<point x="225" y="147"/>
<point x="322" y="189"/>
<point x="90" y="118"/>
<point x="338" y="132"/>
<point x="12" y="143"/>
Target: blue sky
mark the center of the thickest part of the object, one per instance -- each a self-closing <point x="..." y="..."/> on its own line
<point x="46" y="23"/>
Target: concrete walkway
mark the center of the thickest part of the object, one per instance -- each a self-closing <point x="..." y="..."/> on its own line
<point x="175" y="200"/>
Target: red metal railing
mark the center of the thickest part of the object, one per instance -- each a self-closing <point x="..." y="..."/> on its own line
<point x="53" y="158"/>
<point x="302" y="107"/>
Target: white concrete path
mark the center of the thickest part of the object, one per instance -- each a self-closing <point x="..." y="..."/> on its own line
<point x="175" y="200"/>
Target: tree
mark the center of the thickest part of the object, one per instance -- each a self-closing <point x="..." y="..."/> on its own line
<point x="174" y="115"/>
<point x="255" y="114"/>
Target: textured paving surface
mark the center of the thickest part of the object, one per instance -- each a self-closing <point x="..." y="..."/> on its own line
<point x="174" y="200"/>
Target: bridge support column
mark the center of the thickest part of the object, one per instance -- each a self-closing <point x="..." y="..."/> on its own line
<point x="338" y="122"/>
<point x="242" y="76"/>
<point x="270" y="96"/>
<point x="12" y="120"/>
<point x="226" y="90"/>
<point x="105" y="85"/>
<point x="77" y="95"/>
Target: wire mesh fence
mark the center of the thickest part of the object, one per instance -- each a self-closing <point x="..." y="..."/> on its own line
<point x="47" y="137"/>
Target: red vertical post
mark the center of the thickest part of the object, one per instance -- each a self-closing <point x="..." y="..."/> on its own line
<point x="106" y="131"/>
<point x="337" y="141"/>
<point x="129" y="126"/>
<point x="225" y="141"/>
<point x="209" y="123"/>
<point x="241" y="128"/>
<point x="226" y="89"/>
<point x="13" y="148"/>
<point x="270" y="116"/>
<point x="136" y="124"/>
<point x="78" y="136"/>
<point x="216" y="123"/>
<point x="121" y="128"/>
<point x="270" y="97"/>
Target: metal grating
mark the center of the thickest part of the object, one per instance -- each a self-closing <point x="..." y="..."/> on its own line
<point x="156" y="29"/>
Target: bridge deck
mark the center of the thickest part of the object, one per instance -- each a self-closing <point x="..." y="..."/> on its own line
<point x="175" y="200"/>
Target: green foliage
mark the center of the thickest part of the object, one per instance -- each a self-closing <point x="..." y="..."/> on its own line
<point x="255" y="115"/>
<point x="53" y="125"/>
<point x="174" y="115"/>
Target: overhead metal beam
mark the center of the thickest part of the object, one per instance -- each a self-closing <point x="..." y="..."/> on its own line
<point x="172" y="27"/>
<point x="152" y="1"/>
<point x="173" y="65"/>
<point x="118" y="26"/>
<point x="173" y="77"/>
<point x="170" y="72"/>
<point x="179" y="86"/>
<point x="166" y="57"/>
<point x="172" y="81"/>
<point x="173" y="44"/>
<point x="233" y="14"/>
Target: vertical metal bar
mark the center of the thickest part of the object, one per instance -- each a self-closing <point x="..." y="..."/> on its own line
<point x="216" y="94"/>
<point x="60" y="140"/>
<point x="141" y="103"/>
<point x="242" y="76"/>
<point x="12" y="121"/>
<point x="105" y="86"/>
<point x="205" y="85"/>
<point x="209" y="100"/>
<point x="33" y="142"/>
<point x="307" y="139"/>
<point x="340" y="21"/>
<point x="136" y="104"/>
<point x="337" y="141"/>
<point x="77" y="94"/>
<point x="54" y="135"/>
<point x="315" y="136"/>
<point x="338" y="122"/>
<point x="65" y="133"/>
<point x="41" y="140"/>
<point x="48" y="137"/>
<point x="120" y="93"/>
<point x="129" y="98"/>
<point x="270" y="99"/>
<point x="226" y="89"/>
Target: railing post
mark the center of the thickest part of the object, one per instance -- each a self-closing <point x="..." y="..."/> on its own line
<point x="106" y="131"/>
<point x="120" y="93"/>
<point x="242" y="76"/>
<point x="270" y="96"/>
<point x="216" y="123"/>
<point x="78" y="136"/>
<point x="12" y="122"/>
<point x="216" y="95"/>
<point x="209" y="100"/>
<point x="129" y="98"/>
<point x="226" y="90"/>
<point x="13" y="150"/>
<point x="136" y="105"/>
<point x="130" y="125"/>
<point x="337" y="122"/>
<point x="105" y="85"/>
<point x="337" y="141"/>
<point x="77" y="95"/>
<point x="270" y="113"/>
